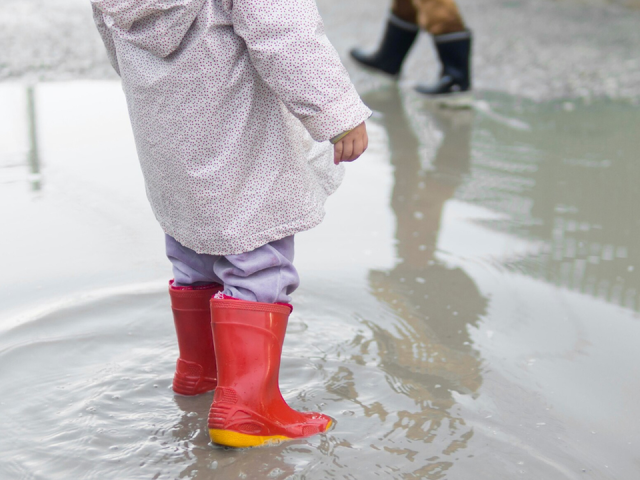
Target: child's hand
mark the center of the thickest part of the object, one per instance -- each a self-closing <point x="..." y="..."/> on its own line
<point x="352" y="145"/>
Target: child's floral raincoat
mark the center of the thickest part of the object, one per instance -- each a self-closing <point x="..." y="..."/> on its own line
<point x="226" y="98"/>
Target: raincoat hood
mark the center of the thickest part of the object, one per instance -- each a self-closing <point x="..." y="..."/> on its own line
<point x="157" y="26"/>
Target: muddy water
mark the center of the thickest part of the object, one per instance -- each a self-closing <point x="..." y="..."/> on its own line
<point x="469" y="308"/>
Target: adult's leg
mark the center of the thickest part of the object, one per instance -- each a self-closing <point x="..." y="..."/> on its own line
<point x="405" y="10"/>
<point x="438" y="17"/>
<point x="442" y="19"/>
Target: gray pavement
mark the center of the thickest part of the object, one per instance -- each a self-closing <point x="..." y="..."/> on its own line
<point x="536" y="49"/>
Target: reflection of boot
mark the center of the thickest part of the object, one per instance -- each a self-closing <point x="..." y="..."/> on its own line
<point x="248" y="409"/>
<point x="196" y="367"/>
<point x="454" y="51"/>
<point x="397" y="40"/>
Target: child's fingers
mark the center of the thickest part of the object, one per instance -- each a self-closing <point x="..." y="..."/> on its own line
<point x="362" y="145"/>
<point x="337" y="152"/>
<point x="347" y="151"/>
<point x="357" y="149"/>
<point x="351" y="146"/>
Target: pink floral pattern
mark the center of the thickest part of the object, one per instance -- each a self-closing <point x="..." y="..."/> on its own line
<point x="232" y="104"/>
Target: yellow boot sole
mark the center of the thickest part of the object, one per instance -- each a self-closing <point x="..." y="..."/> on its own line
<point x="229" y="438"/>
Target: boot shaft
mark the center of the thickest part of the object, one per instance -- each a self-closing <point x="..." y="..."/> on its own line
<point x="454" y="51"/>
<point x="196" y="365"/>
<point x="192" y="298"/>
<point x="248" y="340"/>
<point x="192" y="319"/>
<point x="398" y="38"/>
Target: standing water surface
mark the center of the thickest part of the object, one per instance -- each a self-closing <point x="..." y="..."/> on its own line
<point x="468" y="309"/>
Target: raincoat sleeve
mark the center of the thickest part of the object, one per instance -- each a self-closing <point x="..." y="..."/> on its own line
<point x="107" y="39"/>
<point x="288" y="47"/>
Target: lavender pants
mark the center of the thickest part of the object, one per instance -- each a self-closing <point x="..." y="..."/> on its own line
<point x="265" y="274"/>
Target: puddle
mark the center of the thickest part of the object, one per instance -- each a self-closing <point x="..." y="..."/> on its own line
<point x="468" y="309"/>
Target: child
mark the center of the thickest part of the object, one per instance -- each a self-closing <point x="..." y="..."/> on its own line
<point x="232" y="104"/>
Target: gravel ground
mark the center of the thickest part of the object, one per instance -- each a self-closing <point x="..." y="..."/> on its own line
<point x="537" y="49"/>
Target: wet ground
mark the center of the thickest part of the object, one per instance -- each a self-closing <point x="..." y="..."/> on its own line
<point x="536" y="49"/>
<point x="469" y="308"/>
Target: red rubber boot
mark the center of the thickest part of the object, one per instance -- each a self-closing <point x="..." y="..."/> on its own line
<point x="248" y="409"/>
<point x="196" y="366"/>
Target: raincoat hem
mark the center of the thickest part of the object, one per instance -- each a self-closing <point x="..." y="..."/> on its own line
<point x="247" y="243"/>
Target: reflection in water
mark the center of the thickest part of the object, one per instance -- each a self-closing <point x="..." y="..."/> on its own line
<point x="427" y="353"/>
<point x="205" y="461"/>
<point x="569" y="182"/>
<point x="34" y="156"/>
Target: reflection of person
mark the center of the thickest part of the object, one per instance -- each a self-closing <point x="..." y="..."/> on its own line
<point x="452" y="39"/>
<point x="226" y="99"/>
<point x="430" y="353"/>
